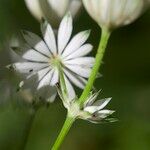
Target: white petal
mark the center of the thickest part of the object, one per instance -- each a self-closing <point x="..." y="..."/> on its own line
<point x="91" y="109"/>
<point x="99" y="116"/>
<point x="70" y="89"/>
<point x="91" y="99"/>
<point x="49" y="37"/>
<point x="79" y="70"/>
<point x="49" y="93"/>
<point x="35" y="8"/>
<point x="19" y="51"/>
<point x="41" y="47"/>
<point x="75" y="6"/>
<point x="76" y="42"/>
<point x="46" y="80"/>
<point x="52" y="96"/>
<point x="58" y="6"/>
<point x="43" y="72"/>
<point x="93" y="8"/>
<point x="64" y="32"/>
<point x="78" y="81"/>
<point x="82" y="51"/>
<point x="102" y="103"/>
<point x="83" y="61"/>
<point x="27" y="67"/>
<point x="105" y="113"/>
<point x="55" y="77"/>
<point x="36" y="42"/>
<point x="33" y="55"/>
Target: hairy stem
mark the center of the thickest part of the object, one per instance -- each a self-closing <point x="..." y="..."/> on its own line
<point x="65" y="129"/>
<point x="98" y="61"/>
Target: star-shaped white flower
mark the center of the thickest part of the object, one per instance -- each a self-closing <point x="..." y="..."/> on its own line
<point x="43" y="57"/>
<point x="93" y="110"/>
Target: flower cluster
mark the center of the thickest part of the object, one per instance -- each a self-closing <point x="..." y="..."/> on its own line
<point x="57" y="62"/>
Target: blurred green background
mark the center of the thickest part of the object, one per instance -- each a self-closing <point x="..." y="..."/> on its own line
<point x="126" y="78"/>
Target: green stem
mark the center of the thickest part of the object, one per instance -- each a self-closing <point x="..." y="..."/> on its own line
<point x="62" y="83"/>
<point x="99" y="56"/>
<point x="98" y="61"/>
<point x="65" y="129"/>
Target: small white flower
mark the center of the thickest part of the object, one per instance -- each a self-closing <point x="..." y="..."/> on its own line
<point x="94" y="111"/>
<point x="43" y="57"/>
<point x="114" y="13"/>
<point x="53" y="10"/>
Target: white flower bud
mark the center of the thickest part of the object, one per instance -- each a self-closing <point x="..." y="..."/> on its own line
<point x="111" y="14"/>
<point x="53" y="10"/>
<point x="35" y="8"/>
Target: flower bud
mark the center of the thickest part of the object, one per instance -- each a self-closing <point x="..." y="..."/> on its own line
<point x="53" y="10"/>
<point x="35" y="8"/>
<point x="111" y="14"/>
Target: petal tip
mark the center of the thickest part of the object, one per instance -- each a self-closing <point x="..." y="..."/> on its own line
<point x="88" y="32"/>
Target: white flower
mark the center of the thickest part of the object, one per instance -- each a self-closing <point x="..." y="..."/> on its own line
<point x="53" y="10"/>
<point x="43" y="57"/>
<point x="94" y="111"/>
<point x="114" y="13"/>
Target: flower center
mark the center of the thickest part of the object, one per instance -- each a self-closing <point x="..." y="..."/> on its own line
<point x="55" y="61"/>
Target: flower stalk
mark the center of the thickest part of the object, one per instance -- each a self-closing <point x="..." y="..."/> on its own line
<point x="62" y="83"/>
<point x="65" y="129"/>
<point x="98" y="61"/>
<point x="99" y="57"/>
